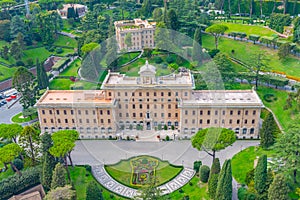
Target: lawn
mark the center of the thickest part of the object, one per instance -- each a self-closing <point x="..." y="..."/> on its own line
<point x="7" y="173"/>
<point x="60" y="84"/>
<point x="284" y="116"/>
<point x="65" y="41"/>
<point x="245" y="52"/>
<point x="248" y="29"/>
<point x="122" y="171"/>
<point x="243" y="162"/>
<point x="18" y="118"/>
<point x="6" y="72"/>
<point x="72" y="69"/>
<point x="81" y="177"/>
<point x="194" y="190"/>
<point x="125" y="58"/>
<point x="38" y="53"/>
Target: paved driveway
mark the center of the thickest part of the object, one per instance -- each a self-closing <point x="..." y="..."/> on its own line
<point x="95" y="152"/>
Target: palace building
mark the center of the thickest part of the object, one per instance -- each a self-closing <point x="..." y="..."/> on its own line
<point x="148" y="102"/>
<point x="141" y="31"/>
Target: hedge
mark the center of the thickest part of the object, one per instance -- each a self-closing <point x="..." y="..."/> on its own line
<point x="204" y="173"/>
<point x="293" y="78"/>
<point x="60" y="64"/>
<point x="16" y="184"/>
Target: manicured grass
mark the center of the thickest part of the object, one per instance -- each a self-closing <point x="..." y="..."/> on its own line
<point x="72" y="69"/>
<point x="195" y="191"/>
<point x="248" y="29"/>
<point x="38" y="53"/>
<point x="127" y="57"/>
<point x="245" y="52"/>
<point x="81" y="177"/>
<point x="65" y="41"/>
<point x="122" y="172"/>
<point x="284" y="116"/>
<point x="18" y="118"/>
<point x="243" y="162"/>
<point x="7" y="173"/>
<point x="60" y="84"/>
<point x="6" y="72"/>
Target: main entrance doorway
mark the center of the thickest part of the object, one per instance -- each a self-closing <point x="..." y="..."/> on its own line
<point x="148" y="126"/>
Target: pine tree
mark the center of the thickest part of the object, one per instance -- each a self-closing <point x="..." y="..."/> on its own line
<point x="93" y="192"/>
<point x="278" y="189"/>
<point x="58" y="177"/>
<point x="172" y="20"/>
<point x="224" y="189"/>
<point x="42" y="77"/>
<point x="267" y="132"/>
<point x="213" y="178"/>
<point x="260" y="175"/>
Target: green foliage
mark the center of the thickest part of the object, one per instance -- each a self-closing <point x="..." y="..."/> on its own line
<point x="158" y="60"/>
<point x="58" y="177"/>
<point x="15" y="184"/>
<point x="4" y="30"/>
<point x="18" y="163"/>
<point x="204" y="173"/>
<point x="212" y="185"/>
<point x="268" y="131"/>
<point x="260" y="175"/>
<point x="213" y="139"/>
<point x="278" y="21"/>
<point x="284" y="50"/>
<point x="10" y="131"/>
<point x="42" y="78"/>
<point x="172" y="20"/>
<point x="278" y="189"/>
<point x="93" y="192"/>
<point x="8" y="153"/>
<point x="87" y="48"/>
<point x="197" y="165"/>
<point x="61" y="193"/>
<point x="46" y="142"/>
<point x="216" y="30"/>
<point x="63" y="142"/>
<point x="17" y="26"/>
<point x="165" y="127"/>
<point x="224" y="189"/>
<point x="29" y="140"/>
<point x="47" y="170"/>
<point x="24" y="82"/>
<point x="128" y="40"/>
<point x="216" y="167"/>
<point x="249" y="176"/>
<point x="197" y="46"/>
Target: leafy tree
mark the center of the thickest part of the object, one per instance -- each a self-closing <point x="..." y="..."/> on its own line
<point x="257" y="65"/>
<point x="89" y="21"/>
<point x="268" y="132"/>
<point x="42" y="77"/>
<point x="5" y="52"/>
<point x="29" y="140"/>
<point x="24" y="82"/>
<point x="216" y="30"/>
<point x="146" y="8"/>
<point x="278" y="21"/>
<point x="204" y="173"/>
<point x="213" y="139"/>
<point x="157" y="15"/>
<point x="61" y="193"/>
<point x="224" y="66"/>
<point x="172" y="20"/>
<point x="224" y="189"/>
<point x="93" y="192"/>
<point x="10" y="131"/>
<point x="284" y="50"/>
<point x="197" y="46"/>
<point x="87" y="48"/>
<point x="5" y="30"/>
<point x="254" y="38"/>
<point x="260" y="175"/>
<point x="8" y="154"/>
<point x="58" y="177"/>
<point x="16" y="50"/>
<point x="287" y="150"/>
<point x="17" y="26"/>
<point x="63" y="144"/>
<point x="278" y="189"/>
<point x="296" y="34"/>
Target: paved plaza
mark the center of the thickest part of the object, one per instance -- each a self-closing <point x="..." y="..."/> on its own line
<point x="97" y="152"/>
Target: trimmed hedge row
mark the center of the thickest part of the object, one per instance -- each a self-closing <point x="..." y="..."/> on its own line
<point x="16" y="184"/>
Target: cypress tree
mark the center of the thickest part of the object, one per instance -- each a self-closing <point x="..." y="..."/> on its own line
<point x="213" y="178"/>
<point x="197" y="46"/>
<point x="47" y="170"/>
<point x="71" y="12"/>
<point x="260" y="175"/>
<point x="224" y="189"/>
<point x="93" y="192"/>
<point x="267" y="132"/>
<point x="278" y="189"/>
<point x="58" y="177"/>
<point x="42" y="77"/>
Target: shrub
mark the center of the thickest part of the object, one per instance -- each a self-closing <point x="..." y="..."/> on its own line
<point x="29" y="61"/>
<point x="249" y="176"/>
<point x="51" y="49"/>
<point x="197" y="165"/>
<point x="18" y="163"/>
<point x="158" y="60"/>
<point x="270" y="97"/>
<point x="59" y="50"/>
<point x="165" y="127"/>
<point x="204" y="173"/>
<point x="167" y="138"/>
<point x="88" y="168"/>
<point x="20" y="63"/>
<point x="15" y="184"/>
<point x="213" y="53"/>
<point x="180" y="190"/>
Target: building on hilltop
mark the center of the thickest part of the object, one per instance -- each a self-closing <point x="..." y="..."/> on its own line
<point x="150" y="103"/>
<point x="142" y="34"/>
<point x="81" y="10"/>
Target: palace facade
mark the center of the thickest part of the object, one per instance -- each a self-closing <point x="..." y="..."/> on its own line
<point x="149" y="103"/>
<point x="142" y="34"/>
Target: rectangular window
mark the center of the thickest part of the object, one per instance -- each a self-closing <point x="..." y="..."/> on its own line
<point x="162" y="94"/>
<point x="86" y="112"/>
<point x="133" y="114"/>
<point x="72" y="112"/>
<point x="73" y="121"/>
<point x="147" y="94"/>
<point x="162" y="106"/>
<point x="87" y="121"/>
<point x="186" y="112"/>
<point x="109" y="94"/>
<point x="169" y="106"/>
<point x="51" y="120"/>
<point x="57" y="112"/>
<point x="120" y="114"/>
<point x="223" y="121"/>
<point x="193" y="121"/>
<point x="148" y="106"/>
<point x="208" y="112"/>
<point x="186" y="94"/>
<point x="132" y="94"/>
<point x="176" y="114"/>
<point x="169" y="114"/>
<point x="141" y="106"/>
<point x="246" y="112"/>
<point x="80" y="121"/>
<point x="95" y="121"/>
<point x="66" y="121"/>
<point x="216" y="121"/>
<point x="155" y="114"/>
<point x="141" y="114"/>
<point x="186" y="121"/>
<point x="140" y="94"/>
<point x="254" y="112"/>
<point x="119" y="94"/>
<point x="194" y="112"/>
<point x="223" y="112"/>
<point x="238" y="121"/>
<point x="176" y="94"/>
<point x="108" y="121"/>
<point x="108" y="112"/>
<point x="201" y="112"/>
<point x="239" y="112"/>
<point x="101" y="112"/>
<point x="231" y="112"/>
<point x="133" y="106"/>
<point x="216" y="112"/>
<point x="208" y="121"/>
<point x="246" y="121"/>
<point x="101" y="121"/>
<point x="43" y="112"/>
<point x="253" y="121"/>
<point x="45" y="121"/>
<point x="162" y="115"/>
<point x="230" y="121"/>
<point x="200" y="121"/>
<point x="94" y="112"/>
<point x="169" y="94"/>
<point x="125" y="94"/>
<point x="120" y="106"/>
<point x="154" y="94"/>
<point x="58" y="120"/>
